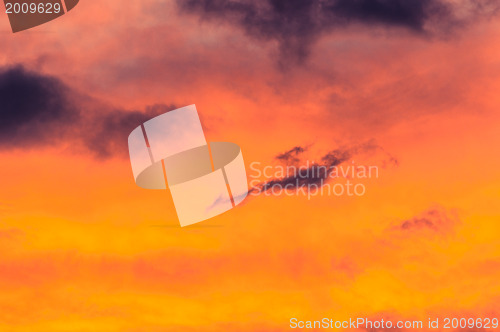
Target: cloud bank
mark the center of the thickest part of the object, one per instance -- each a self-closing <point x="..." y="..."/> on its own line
<point x="297" y="24"/>
<point x="38" y="110"/>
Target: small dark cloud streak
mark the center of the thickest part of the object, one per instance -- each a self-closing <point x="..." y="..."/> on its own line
<point x="38" y="110"/>
<point x="292" y="155"/>
<point x="435" y="221"/>
<point x="317" y="174"/>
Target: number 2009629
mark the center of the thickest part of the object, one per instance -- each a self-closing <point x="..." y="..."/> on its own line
<point x="32" y="8"/>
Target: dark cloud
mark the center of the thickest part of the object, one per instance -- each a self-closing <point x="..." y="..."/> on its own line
<point x="297" y="24"/>
<point x="38" y="110"/>
<point x="32" y="106"/>
<point x="304" y="177"/>
<point x="291" y="156"/>
<point x="316" y="174"/>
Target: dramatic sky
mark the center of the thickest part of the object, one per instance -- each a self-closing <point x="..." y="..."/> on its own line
<point x="409" y="86"/>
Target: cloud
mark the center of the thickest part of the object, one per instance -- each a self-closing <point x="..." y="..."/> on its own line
<point x="39" y="110"/>
<point x="32" y="106"/>
<point x="297" y="24"/>
<point x="107" y="132"/>
<point x="436" y="219"/>
<point x="317" y="174"/>
<point x="291" y="156"/>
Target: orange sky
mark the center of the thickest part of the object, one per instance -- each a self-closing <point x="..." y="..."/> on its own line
<point x="82" y="248"/>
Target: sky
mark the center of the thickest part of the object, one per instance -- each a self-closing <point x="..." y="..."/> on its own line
<point x="407" y="86"/>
